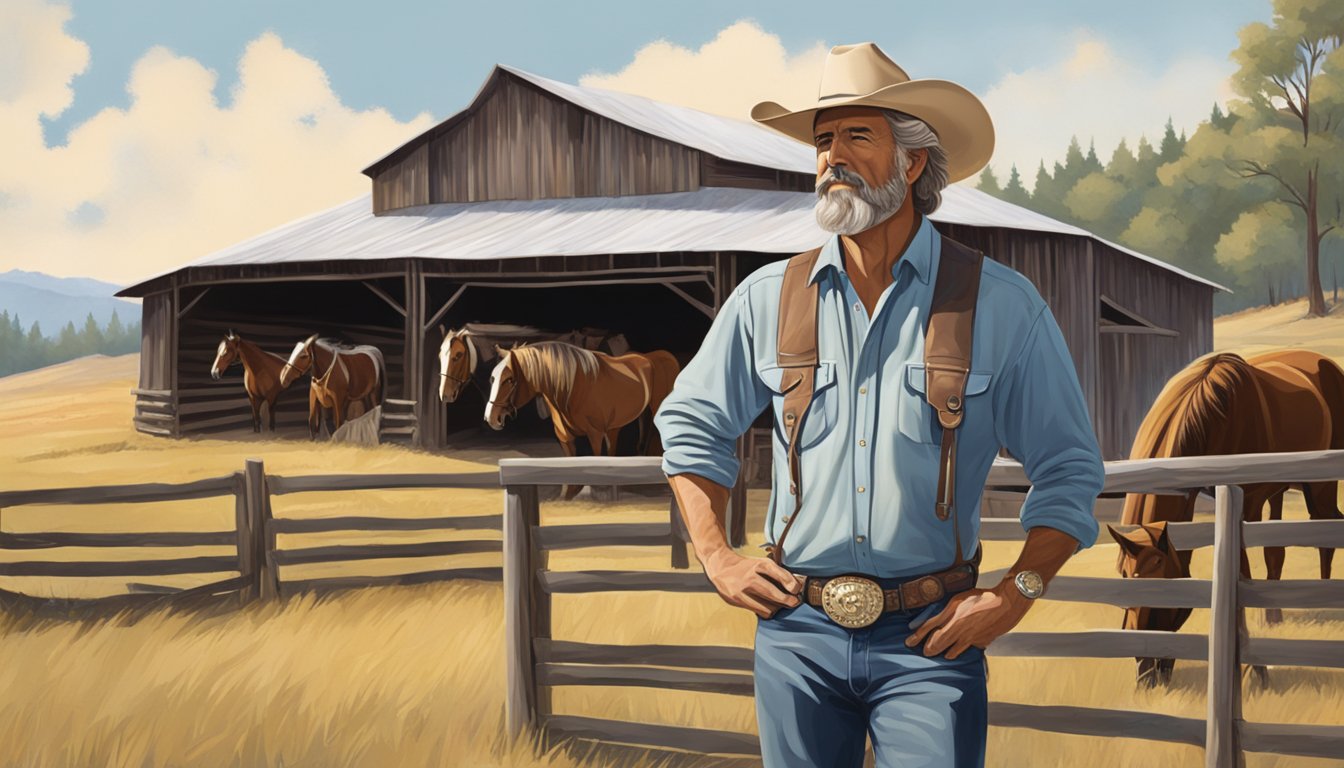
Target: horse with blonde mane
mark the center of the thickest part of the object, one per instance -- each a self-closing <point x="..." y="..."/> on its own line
<point x="589" y="394"/>
<point x="1286" y="400"/>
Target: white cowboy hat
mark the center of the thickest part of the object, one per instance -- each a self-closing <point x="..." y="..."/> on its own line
<point x="862" y="75"/>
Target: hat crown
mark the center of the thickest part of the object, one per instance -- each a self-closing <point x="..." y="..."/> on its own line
<point x="858" y="70"/>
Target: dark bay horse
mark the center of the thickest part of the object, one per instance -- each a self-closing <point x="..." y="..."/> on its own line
<point x="341" y="375"/>
<point x="1285" y="400"/>
<point x="589" y="394"/>
<point x="261" y="374"/>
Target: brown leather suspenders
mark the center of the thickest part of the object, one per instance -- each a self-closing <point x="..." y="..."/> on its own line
<point x="947" y="365"/>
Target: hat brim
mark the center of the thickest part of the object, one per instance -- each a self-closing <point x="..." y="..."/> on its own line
<point x="955" y="114"/>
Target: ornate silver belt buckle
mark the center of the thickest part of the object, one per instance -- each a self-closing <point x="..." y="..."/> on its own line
<point x="852" y="601"/>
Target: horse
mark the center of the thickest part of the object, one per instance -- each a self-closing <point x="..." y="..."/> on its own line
<point x="261" y="374"/>
<point x="1222" y="403"/>
<point x="589" y="393"/>
<point x="341" y="375"/>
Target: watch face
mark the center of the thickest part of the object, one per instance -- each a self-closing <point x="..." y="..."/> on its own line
<point x="1029" y="583"/>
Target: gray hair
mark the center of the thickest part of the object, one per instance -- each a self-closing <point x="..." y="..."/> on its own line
<point x="912" y="133"/>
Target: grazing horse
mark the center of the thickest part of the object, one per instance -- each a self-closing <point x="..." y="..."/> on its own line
<point x="341" y="375"/>
<point x="589" y="393"/>
<point x="1286" y="400"/>
<point x="261" y="374"/>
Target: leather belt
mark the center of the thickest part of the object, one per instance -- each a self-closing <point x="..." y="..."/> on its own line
<point x="856" y="600"/>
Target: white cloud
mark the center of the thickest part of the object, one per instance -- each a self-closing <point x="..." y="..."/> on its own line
<point x="1097" y="96"/>
<point x="741" y="66"/>
<point x="175" y="175"/>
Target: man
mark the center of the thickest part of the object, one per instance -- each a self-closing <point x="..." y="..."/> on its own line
<point x="869" y="443"/>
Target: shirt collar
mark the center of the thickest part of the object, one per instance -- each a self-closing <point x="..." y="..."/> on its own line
<point x="919" y="254"/>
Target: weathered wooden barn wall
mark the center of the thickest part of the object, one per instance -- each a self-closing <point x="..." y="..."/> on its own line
<point x="523" y="143"/>
<point x="1136" y="364"/>
<point x="157" y="324"/>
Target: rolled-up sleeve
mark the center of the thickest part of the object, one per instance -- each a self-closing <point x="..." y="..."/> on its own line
<point x="715" y="399"/>
<point x="1041" y="418"/>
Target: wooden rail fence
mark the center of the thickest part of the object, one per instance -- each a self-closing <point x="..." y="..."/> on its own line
<point x="537" y="662"/>
<point x="258" y="558"/>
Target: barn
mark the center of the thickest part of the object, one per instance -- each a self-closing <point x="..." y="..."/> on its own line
<point x="564" y="207"/>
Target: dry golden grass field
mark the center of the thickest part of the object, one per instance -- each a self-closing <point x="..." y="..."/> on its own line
<point x="413" y="676"/>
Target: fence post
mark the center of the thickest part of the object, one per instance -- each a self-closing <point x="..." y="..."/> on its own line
<point x="680" y="557"/>
<point x="1222" y="745"/>
<point x="521" y="512"/>
<point x="270" y="575"/>
<point x="251" y="514"/>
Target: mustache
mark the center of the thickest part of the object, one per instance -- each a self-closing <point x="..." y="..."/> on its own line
<point x="839" y="174"/>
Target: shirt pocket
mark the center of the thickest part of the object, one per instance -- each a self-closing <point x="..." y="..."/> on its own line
<point x="918" y="420"/>
<point x="822" y="414"/>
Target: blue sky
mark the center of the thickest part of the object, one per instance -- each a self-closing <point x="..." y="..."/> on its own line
<point x="411" y="57"/>
<point x="143" y="134"/>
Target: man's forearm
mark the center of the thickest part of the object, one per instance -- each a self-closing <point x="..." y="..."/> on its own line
<point x="1046" y="551"/>
<point x="702" y="503"/>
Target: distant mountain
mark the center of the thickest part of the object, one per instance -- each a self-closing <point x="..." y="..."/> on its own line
<point x="54" y="301"/>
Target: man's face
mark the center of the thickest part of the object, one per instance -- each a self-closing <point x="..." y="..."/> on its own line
<point x="857" y="139"/>
<point x="861" y="171"/>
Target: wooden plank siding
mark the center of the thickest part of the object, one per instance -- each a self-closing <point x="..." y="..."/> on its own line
<point x="1133" y="366"/>
<point x="523" y="143"/>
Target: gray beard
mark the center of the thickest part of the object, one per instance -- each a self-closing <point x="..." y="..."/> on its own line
<point x="849" y="212"/>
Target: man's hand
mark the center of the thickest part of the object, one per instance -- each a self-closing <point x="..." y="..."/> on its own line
<point x="755" y="583"/>
<point x="974" y="617"/>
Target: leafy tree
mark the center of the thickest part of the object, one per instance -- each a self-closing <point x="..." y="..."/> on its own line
<point x="1094" y="200"/>
<point x="1291" y="73"/>
<point x="1262" y="246"/>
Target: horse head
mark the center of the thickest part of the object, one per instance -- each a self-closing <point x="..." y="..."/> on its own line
<point x="225" y="356"/>
<point x="1147" y="553"/>
<point x="509" y="390"/>
<point x="457" y="363"/>
<point x="300" y="361"/>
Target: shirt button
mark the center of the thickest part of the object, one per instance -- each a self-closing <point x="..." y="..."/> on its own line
<point x="862" y="443"/>
<point x="863" y="390"/>
<point x="860" y="489"/>
<point x="858" y="307"/>
<point x="859" y="539"/>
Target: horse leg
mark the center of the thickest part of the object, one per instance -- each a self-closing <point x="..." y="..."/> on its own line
<point x="595" y="440"/>
<point x="314" y="415"/>
<point x="612" y="435"/>
<point x="270" y="412"/>
<point x="255" y="402"/>
<point x="1274" y="558"/>
<point x="567" y="491"/>
<point x="1323" y="504"/>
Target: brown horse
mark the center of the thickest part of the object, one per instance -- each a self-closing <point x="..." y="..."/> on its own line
<point x="341" y="375"/>
<point x="1287" y="400"/>
<point x="589" y="393"/>
<point x="261" y="374"/>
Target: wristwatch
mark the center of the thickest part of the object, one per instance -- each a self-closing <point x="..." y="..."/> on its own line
<point x="1030" y="584"/>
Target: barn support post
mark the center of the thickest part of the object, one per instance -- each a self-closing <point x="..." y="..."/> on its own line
<point x="174" y="343"/>
<point x="413" y="362"/>
<point x="1222" y="746"/>
<point x="521" y="513"/>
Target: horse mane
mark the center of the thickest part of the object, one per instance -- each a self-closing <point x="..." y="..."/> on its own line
<point x="552" y="367"/>
<point x="1197" y="398"/>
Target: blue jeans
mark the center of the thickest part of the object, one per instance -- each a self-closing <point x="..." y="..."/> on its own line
<point x="820" y="687"/>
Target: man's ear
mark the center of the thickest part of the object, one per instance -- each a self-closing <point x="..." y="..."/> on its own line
<point x="918" y="159"/>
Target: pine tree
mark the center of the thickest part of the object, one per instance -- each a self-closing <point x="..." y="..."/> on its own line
<point x="91" y="337"/>
<point x="1170" y="149"/>
<point x="1014" y="192"/>
<point x="1090" y="163"/>
<point x="115" y="334"/>
<point x="1123" y="165"/>
<point x="989" y="182"/>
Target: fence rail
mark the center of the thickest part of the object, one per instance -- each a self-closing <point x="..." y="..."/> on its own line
<point x="257" y="557"/>
<point x="537" y="662"/>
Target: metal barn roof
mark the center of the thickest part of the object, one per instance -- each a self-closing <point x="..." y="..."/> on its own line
<point x="708" y="219"/>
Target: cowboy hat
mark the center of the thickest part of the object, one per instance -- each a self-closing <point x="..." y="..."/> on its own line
<point x="862" y="75"/>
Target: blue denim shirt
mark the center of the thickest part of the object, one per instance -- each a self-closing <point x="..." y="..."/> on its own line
<point x="870" y="441"/>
